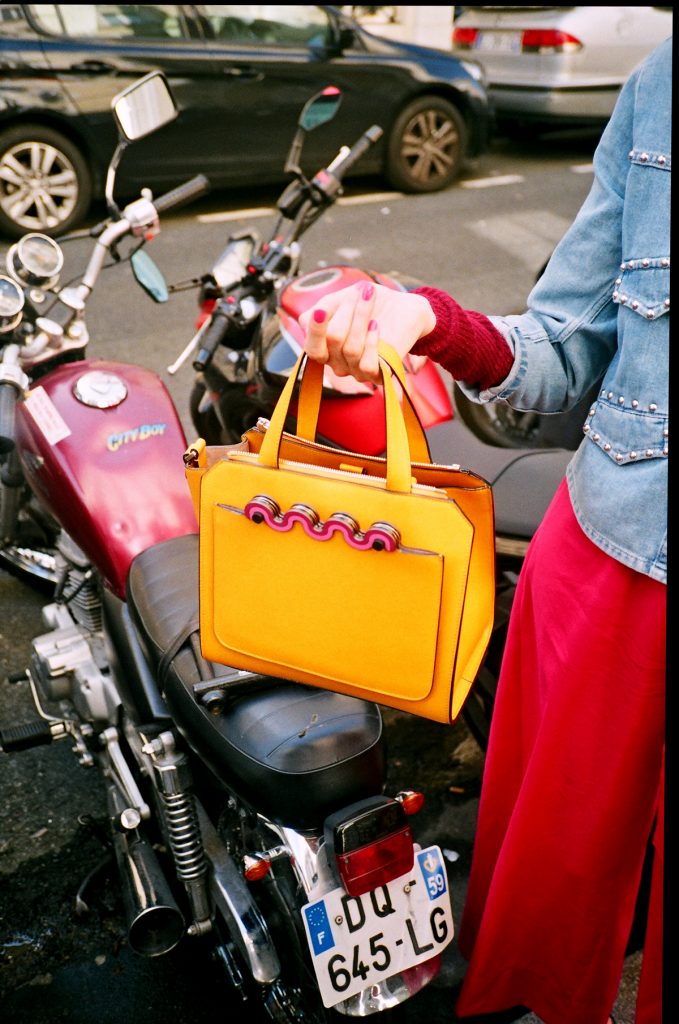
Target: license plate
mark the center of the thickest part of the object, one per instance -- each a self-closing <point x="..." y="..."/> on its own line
<point x="358" y="941"/>
<point x="499" y="42"/>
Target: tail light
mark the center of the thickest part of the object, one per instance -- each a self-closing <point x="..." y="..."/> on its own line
<point x="465" y="38"/>
<point x="532" y="40"/>
<point x="372" y="843"/>
<point x="548" y="40"/>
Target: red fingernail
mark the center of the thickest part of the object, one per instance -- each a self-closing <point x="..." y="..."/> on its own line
<point x="319" y="315"/>
<point x="372" y="326"/>
<point x="367" y="291"/>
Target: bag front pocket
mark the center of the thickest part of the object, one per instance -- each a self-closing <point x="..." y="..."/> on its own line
<point x="371" y="614"/>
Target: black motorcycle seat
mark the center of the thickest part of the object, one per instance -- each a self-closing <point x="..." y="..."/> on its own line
<point x="524" y="480"/>
<point x="297" y="753"/>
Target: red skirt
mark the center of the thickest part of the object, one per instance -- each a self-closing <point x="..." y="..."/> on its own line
<point x="572" y="787"/>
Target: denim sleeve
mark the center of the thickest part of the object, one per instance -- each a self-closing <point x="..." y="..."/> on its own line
<point x="568" y="336"/>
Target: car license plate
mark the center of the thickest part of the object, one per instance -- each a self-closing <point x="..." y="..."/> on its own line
<point x="357" y="941"/>
<point x="499" y="42"/>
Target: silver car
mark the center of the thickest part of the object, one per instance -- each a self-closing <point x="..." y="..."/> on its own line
<point x="558" y="66"/>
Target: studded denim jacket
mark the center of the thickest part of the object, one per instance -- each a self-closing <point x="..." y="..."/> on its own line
<point x="600" y="312"/>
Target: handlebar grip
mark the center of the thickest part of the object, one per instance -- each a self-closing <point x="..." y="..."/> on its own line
<point x="9" y="396"/>
<point x="190" y="190"/>
<point x="368" y="139"/>
<point x="213" y="337"/>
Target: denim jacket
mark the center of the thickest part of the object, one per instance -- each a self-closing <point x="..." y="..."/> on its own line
<point x="601" y="312"/>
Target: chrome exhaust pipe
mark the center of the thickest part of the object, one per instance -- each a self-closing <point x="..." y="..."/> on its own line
<point x="155" y="922"/>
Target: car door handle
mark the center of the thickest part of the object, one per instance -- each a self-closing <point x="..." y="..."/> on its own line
<point x="244" y="72"/>
<point x="94" y="67"/>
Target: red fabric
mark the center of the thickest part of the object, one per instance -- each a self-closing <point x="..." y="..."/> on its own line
<point x="649" y="1000"/>
<point x="570" y="790"/>
<point x="464" y="342"/>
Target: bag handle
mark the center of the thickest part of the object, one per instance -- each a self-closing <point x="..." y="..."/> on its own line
<point x="309" y="402"/>
<point x="399" y="472"/>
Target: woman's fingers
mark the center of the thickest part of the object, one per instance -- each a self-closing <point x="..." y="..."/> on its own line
<point x="342" y="330"/>
<point x="356" y="333"/>
<point x="316" y="345"/>
<point x="369" y="363"/>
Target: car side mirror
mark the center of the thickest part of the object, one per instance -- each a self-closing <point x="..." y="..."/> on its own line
<point x="345" y="39"/>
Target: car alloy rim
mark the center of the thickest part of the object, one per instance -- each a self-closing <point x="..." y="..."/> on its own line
<point x="38" y="186"/>
<point x="430" y="146"/>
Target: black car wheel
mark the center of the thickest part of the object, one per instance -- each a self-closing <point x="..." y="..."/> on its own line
<point x="427" y="146"/>
<point x="45" y="183"/>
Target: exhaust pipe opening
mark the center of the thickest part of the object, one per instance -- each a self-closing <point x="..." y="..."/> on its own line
<point x="155" y="931"/>
<point x="155" y="922"/>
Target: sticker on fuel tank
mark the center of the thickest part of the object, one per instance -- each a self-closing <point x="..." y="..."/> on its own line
<point x="46" y="415"/>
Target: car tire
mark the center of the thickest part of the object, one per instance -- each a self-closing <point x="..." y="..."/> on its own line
<point x="427" y="146"/>
<point x="52" y="200"/>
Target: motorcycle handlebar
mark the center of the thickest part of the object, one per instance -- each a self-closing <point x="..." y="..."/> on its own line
<point x="340" y="166"/>
<point x="184" y="193"/>
<point x="214" y="335"/>
<point x="9" y="396"/>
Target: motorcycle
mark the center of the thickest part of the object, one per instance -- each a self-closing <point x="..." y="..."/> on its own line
<point x="249" y="337"/>
<point x="247" y="812"/>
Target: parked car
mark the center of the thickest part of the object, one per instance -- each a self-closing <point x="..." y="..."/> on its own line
<point x="239" y="74"/>
<point x="558" y="66"/>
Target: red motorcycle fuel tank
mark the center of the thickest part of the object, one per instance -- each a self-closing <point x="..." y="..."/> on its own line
<point x="101" y="446"/>
<point x="353" y="415"/>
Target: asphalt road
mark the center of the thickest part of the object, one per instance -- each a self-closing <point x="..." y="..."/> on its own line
<point x="484" y="240"/>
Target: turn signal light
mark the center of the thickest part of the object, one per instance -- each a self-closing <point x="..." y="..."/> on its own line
<point x="255" y="868"/>
<point x="411" y="801"/>
<point x="376" y="864"/>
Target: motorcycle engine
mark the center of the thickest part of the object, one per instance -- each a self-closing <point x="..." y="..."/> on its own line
<point x="71" y="662"/>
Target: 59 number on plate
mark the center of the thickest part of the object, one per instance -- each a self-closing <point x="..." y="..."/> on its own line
<point x="356" y="942"/>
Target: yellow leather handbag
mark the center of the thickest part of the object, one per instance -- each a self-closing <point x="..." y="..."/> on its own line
<point x="374" y="577"/>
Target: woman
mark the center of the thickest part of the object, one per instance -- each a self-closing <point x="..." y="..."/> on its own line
<point x="574" y="776"/>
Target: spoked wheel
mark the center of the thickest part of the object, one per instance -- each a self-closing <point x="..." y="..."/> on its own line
<point x="45" y="183"/>
<point x="427" y="146"/>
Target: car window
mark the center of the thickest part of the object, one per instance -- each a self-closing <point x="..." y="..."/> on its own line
<point x="13" y="21"/>
<point x="111" y="21"/>
<point x="273" y="25"/>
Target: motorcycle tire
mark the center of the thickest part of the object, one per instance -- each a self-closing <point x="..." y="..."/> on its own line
<point x="500" y="425"/>
<point x="294" y="997"/>
<point x="238" y="411"/>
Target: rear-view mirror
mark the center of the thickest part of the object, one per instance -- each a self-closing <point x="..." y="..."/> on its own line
<point x="320" y="109"/>
<point x="144" y="106"/>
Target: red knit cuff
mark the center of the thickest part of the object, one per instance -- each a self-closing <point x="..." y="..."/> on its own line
<point x="464" y="342"/>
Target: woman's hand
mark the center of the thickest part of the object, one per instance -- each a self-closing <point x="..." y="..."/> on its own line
<point x="344" y="327"/>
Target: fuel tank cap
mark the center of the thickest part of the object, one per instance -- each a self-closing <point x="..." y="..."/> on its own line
<point x="100" y="390"/>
